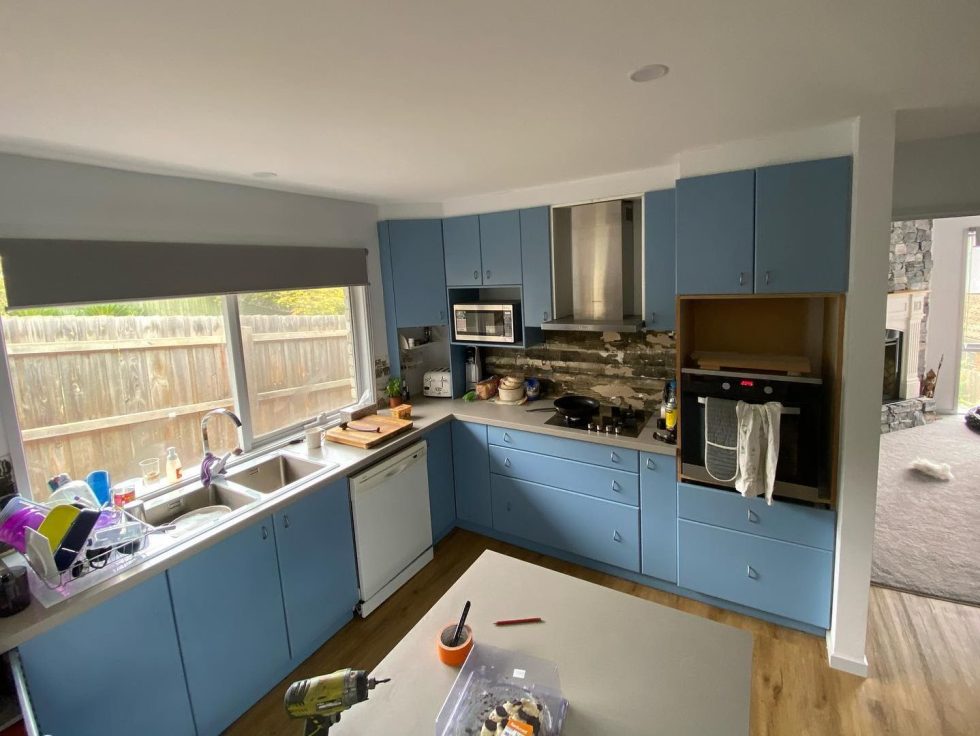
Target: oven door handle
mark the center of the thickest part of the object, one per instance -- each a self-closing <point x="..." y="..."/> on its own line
<point x="783" y="410"/>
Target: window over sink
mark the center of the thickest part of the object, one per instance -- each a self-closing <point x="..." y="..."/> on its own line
<point x="106" y="386"/>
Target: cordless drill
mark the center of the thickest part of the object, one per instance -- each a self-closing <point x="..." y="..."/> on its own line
<point x="321" y="700"/>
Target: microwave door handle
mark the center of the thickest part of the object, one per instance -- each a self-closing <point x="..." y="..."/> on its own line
<point x="789" y="410"/>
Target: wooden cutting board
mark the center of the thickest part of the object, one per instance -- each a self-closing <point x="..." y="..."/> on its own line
<point x="390" y="427"/>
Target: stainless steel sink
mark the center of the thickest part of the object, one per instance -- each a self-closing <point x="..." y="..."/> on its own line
<point x="275" y="473"/>
<point x="163" y="510"/>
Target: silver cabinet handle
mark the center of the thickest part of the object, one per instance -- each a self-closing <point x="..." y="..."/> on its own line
<point x="767" y="277"/>
<point x="476" y="275"/>
<point x="753" y="517"/>
<point x="488" y="274"/>
<point x="285" y="520"/>
<point x="506" y="437"/>
<point x="615" y="485"/>
<point x="508" y="505"/>
<point x="265" y="532"/>
<point x="617" y="537"/>
<point x="751" y="573"/>
<point x="651" y="465"/>
<point x="442" y="314"/>
<point x="741" y="278"/>
<point x="506" y="462"/>
<point x="613" y="457"/>
<point x="545" y="314"/>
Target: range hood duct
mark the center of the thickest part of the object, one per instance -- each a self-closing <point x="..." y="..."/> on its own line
<point x="596" y="267"/>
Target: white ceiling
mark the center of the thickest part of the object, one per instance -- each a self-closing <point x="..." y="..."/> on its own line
<point x="426" y="100"/>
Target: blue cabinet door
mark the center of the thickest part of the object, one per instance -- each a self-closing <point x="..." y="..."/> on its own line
<point x="500" y="246"/>
<point x="388" y="292"/>
<point x="111" y="668"/>
<point x="442" y="489"/>
<point x="658" y="516"/>
<point x="591" y="527"/>
<point x="418" y="272"/>
<point x="315" y="543"/>
<point x="536" y="265"/>
<point x="461" y="243"/>
<point x="803" y="226"/>
<point x="659" y="271"/>
<point x="471" y="472"/>
<point x="228" y="606"/>
<point x="716" y="233"/>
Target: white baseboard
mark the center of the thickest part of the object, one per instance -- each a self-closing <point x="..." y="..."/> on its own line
<point x="843" y="663"/>
<point x="368" y="606"/>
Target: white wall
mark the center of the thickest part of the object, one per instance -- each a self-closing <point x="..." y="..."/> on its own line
<point x="937" y="177"/>
<point x="946" y="304"/>
<point x="53" y="199"/>
<point x="874" y="141"/>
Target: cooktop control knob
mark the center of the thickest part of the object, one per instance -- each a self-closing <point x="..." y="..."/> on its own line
<point x="726" y="385"/>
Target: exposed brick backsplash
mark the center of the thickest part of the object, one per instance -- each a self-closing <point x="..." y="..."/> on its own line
<point x="601" y="365"/>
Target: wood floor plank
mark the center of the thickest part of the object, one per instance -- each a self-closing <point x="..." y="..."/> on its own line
<point x="924" y="654"/>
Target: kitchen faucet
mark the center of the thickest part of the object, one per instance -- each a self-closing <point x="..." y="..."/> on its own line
<point x="212" y="466"/>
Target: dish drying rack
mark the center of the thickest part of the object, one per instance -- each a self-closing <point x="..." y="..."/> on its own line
<point x="107" y="547"/>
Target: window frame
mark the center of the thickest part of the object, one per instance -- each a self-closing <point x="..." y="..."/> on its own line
<point x="252" y="445"/>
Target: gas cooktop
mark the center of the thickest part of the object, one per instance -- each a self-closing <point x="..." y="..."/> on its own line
<point x="609" y="420"/>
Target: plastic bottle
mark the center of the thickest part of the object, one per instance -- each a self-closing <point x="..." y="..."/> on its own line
<point x="174" y="469"/>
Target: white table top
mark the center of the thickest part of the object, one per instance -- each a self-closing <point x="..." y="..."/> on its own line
<point x="627" y="666"/>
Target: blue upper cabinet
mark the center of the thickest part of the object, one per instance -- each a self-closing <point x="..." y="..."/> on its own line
<point x="536" y="265"/>
<point x="716" y="233"/>
<point x="418" y="274"/>
<point x="659" y="271"/>
<point x="388" y="292"/>
<point x="471" y="470"/>
<point x="461" y="242"/>
<point x="500" y="248"/>
<point x="803" y="226"/>
<point x="315" y="545"/>
<point x="227" y="603"/>
<point x="111" y="668"/>
<point x="442" y="499"/>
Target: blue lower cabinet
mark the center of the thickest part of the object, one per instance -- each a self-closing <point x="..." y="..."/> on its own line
<point x="590" y="527"/>
<point x="471" y="471"/>
<point x="112" y="670"/>
<point x="315" y="545"/>
<point x="442" y="491"/>
<point x="592" y="480"/>
<point x="786" y="579"/>
<point x="227" y="602"/>
<point x="594" y="453"/>
<point x="658" y="516"/>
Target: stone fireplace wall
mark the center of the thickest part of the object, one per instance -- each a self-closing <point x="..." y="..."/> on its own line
<point x="910" y="268"/>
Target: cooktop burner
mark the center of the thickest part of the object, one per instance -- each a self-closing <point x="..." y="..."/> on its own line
<point x="609" y="420"/>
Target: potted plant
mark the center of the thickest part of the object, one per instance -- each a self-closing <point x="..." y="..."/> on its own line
<point x="394" y="391"/>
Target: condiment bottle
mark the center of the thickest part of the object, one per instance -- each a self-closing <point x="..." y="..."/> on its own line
<point x="174" y="468"/>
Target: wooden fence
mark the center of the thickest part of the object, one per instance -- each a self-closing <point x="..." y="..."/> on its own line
<point x="109" y="391"/>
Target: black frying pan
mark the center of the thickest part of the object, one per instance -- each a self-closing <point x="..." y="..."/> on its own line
<point x="574" y="407"/>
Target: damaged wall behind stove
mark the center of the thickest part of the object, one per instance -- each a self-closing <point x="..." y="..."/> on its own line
<point x="600" y="365"/>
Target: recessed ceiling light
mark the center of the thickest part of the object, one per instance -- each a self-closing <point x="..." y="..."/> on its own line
<point x="649" y="72"/>
<point x="265" y="175"/>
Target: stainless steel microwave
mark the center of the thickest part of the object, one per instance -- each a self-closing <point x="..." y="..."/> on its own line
<point x="496" y="322"/>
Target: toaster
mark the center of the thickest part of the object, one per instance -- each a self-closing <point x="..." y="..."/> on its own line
<point x="437" y="383"/>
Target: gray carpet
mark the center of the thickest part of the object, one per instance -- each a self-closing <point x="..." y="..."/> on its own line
<point x="927" y="532"/>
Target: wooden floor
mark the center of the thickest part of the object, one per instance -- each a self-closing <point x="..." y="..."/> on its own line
<point x="924" y="654"/>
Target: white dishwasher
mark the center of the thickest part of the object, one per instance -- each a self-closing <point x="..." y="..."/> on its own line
<point x="392" y="526"/>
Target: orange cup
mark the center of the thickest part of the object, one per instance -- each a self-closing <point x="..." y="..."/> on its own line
<point x="454" y="656"/>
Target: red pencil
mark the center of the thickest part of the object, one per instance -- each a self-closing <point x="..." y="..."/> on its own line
<point x="516" y="621"/>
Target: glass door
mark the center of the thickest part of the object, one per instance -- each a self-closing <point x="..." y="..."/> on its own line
<point x="969" y="388"/>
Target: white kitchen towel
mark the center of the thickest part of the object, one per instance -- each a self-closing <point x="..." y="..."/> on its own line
<point x="758" y="448"/>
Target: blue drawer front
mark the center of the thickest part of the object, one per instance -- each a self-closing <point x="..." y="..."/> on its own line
<point x="592" y="480"/>
<point x="789" y="522"/>
<point x="591" y="527"/>
<point x="658" y="516"/>
<point x="583" y="452"/>
<point x="782" y="578"/>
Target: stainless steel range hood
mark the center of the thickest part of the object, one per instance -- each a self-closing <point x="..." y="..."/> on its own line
<point x="596" y="267"/>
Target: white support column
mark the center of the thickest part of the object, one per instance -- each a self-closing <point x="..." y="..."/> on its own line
<point x="874" y="158"/>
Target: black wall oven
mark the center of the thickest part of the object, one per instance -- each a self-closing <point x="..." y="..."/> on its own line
<point x="800" y="470"/>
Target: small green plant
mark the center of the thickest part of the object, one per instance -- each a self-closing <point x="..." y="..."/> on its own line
<point x="394" y="388"/>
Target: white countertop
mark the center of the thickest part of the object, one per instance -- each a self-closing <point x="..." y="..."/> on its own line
<point x="426" y="414"/>
<point x="627" y="666"/>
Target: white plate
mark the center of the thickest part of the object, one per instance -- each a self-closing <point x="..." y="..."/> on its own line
<point x="194" y="521"/>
